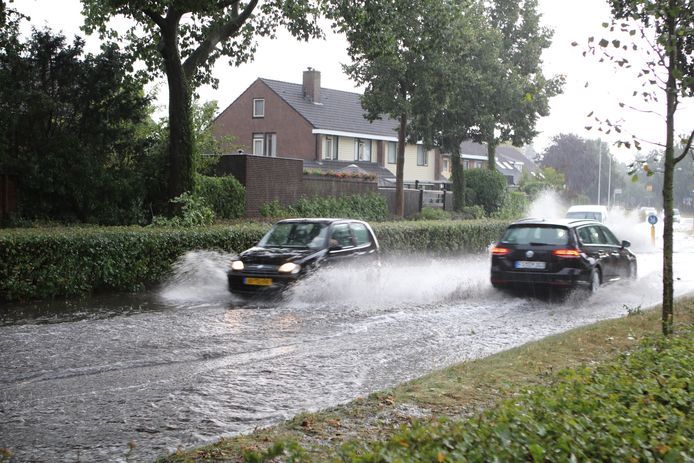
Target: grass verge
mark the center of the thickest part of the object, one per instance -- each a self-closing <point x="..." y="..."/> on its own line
<point x="460" y="391"/>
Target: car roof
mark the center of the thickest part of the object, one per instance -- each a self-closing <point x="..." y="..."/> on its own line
<point x="318" y="219"/>
<point x="554" y="222"/>
<point x="588" y="208"/>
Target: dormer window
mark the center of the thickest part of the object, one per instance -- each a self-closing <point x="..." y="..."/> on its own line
<point x="258" y="107"/>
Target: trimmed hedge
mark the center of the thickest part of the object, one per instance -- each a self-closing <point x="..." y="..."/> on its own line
<point x="46" y="263"/>
<point x="372" y="207"/>
<point x="467" y="236"/>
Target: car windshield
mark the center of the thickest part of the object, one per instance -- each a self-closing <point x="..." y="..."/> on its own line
<point x="585" y="215"/>
<point x="311" y="235"/>
<point x="536" y="235"/>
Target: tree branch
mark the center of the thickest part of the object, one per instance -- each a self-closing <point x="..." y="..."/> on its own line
<point x="216" y="36"/>
<point x="155" y="17"/>
<point x="687" y="147"/>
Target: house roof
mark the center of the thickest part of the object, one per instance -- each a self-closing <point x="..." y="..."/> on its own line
<point x="337" y="111"/>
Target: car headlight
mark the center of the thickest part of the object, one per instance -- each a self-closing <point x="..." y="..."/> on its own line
<point x="237" y="265"/>
<point x="289" y="267"/>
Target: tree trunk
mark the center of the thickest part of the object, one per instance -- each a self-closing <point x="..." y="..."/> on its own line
<point x="458" y="177"/>
<point x="400" y="169"/>
<point x="180" y="157"/>
<point x="491" y="154"/>
<point x="671" y="95"/>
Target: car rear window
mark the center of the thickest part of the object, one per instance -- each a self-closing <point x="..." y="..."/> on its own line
<point x="536" y="234"/>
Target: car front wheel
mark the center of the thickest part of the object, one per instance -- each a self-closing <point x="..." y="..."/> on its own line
<point x="594" y="280"/>
<point x="633" y="272"/>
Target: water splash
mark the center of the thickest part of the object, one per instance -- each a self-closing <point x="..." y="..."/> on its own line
<point x="198" y="276"/>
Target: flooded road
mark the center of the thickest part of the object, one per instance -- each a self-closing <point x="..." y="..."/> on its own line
<point x="184" y="365"/>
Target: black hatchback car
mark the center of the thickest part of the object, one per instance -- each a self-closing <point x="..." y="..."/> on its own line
<point x="293" y="247"/>
<point x="560" y="253"/>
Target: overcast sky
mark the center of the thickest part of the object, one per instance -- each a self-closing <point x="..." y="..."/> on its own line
<point x="285" y="59"/>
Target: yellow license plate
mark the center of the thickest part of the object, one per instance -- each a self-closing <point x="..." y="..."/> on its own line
<point x="258" y="281"/>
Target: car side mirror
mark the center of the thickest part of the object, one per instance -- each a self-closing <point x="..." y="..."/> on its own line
<point x="626" y="244"/>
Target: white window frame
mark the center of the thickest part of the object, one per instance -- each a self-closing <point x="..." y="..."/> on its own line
<point x="330" y="147"/>
<point x="259" y="144"/>
<point x="257" y="113"/>
<point x="363" y="154"/>
<point x="422" y="156"/>
<point x="395" y="152"/>
<point x="446" y="165"/>
<point x="270" y="148"/>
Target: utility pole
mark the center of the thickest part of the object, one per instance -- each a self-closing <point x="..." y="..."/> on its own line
<point x="599" y="166"/>
<point x="609" y="178"/>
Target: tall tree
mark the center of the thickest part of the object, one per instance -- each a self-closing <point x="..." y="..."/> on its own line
<point x="74" y="130"/>
<point x="396" y="47"/>
<point x="665" y="30"/>
<point x="517" y="93"/>
<point x="184" y="38"/>
<point x="470" y="56"/>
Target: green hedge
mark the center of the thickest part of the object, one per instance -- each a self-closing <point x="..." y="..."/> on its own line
<point x="72" y="261"/>
<point x="372" y="207"/>
<point x="438" y="236"/>
<point x="46" y="263"/>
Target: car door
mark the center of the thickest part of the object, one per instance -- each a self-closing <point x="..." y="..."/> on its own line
<point x="594" y="246"/>
<point x="619" y="256"/>
<point x="342" y="246"/>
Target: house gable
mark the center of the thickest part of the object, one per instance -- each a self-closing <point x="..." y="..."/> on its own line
<point x="293" y="132"/>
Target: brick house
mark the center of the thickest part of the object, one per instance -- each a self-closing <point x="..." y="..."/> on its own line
<point x="326" y="128"/>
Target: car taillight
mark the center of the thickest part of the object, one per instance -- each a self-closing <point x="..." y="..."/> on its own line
<point x="567" y="253"/>
<point x="498" y="251"/>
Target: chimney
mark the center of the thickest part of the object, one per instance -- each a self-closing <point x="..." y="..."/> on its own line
<point x="312" y="85"/>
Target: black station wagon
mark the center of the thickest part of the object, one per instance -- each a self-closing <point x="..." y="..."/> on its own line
<point x="560" y="253"/>
<point x="293" y="247"/>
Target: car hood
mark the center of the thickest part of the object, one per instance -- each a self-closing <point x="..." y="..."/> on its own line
<point x="278" y="256"/>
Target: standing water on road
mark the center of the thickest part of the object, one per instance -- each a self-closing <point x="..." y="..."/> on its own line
<point x="130" y="377"/>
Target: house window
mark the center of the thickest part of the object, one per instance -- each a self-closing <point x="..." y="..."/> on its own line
<point x="362" y="150"/>
<point x="392" y="152"/>
<point x="330" y="147"/>
<point x="258" y="144"/>
<point x="422" y="156"/>
<point x="259" y="107"/>
<point x="446" y="167"/>
<point x="466" y="164"/>
<point x="265" y="144"/>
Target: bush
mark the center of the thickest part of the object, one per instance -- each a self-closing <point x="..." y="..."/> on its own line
<point x="432" y="213"/>
<point x="45" y="263"/>
<point x="438" y="236"/>
<point x="225" y="195"/>
<point x="58" y="262"/>
<point x="514" y="206"/>
<point x="194" y="213"/>
<point x="372" y="207"/>
<point x="488" y="188"/>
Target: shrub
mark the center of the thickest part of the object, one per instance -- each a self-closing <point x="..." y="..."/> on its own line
<point x="225" y="195"/>
<point x="372" y="207"/>
<point x="432" y="213"/>
<point x="514" y="206"/>
<point x="438" y="236"/>
<point x="194" y="213"/>
<point x="488" y="188"/>
<point x="45" y="263"/>
<point x="57" y="262"/>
